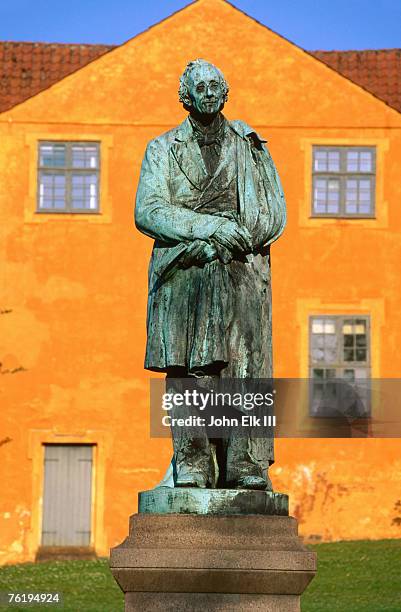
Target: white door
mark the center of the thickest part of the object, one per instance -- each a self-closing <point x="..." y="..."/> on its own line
<point x="67" y="495"/>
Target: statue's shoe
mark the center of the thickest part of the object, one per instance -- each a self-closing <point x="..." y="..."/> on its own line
<point x="252" y="477"/>
<point x="191" y="479"/>
<point x="254" y="482"/>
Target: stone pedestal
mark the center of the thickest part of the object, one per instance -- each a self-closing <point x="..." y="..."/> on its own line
<point x="206" y="562"/>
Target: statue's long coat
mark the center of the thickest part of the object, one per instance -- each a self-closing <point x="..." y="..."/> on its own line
<point x="214" y="313"/>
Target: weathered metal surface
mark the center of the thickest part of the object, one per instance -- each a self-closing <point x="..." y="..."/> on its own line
<point x="210" y="196"/>
<point x="164" y="500"/>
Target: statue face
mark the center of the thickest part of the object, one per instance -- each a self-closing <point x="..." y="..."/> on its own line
<point x="205" y="90"/>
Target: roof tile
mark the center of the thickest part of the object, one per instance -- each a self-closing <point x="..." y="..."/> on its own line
<point x="378" y="71"/>
<point x="28" y="68"/>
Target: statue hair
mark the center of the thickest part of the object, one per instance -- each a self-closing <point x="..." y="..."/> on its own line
<point x="183" y="89"/>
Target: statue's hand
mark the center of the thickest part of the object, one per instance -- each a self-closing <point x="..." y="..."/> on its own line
<point x="198" y="253"/>
<point x="233" y="237"/>
<point x="223" y="254"/>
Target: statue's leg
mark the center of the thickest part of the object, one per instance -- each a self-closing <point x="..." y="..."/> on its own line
<point x="193" y="461"/>
<point x="243" y="470"/>
<point x="247" y="455"/>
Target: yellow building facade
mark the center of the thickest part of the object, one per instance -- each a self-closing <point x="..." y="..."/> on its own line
<point x="74" y="285"/>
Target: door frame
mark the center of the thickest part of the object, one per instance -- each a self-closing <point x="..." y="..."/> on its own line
<point x="100" y="440"/>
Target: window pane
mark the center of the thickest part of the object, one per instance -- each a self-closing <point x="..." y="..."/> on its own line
<point x="324" y="341"/>
<point x="317" y="326"/>
<point x="326" y="195"/>
<point x="348" y="340"/>
<point x="358" y="198"/>
<point x="332" y="208"/>
<point x="333" y="196"/>
<point x="51" y="191"/>
<point x="318" y="373"/>
<point x="366" y="161"/>
<point x="352" y="161"/>
<point x="326" y="161"/>
<point x="360" y="355"/>
<point x="351" y="198"/>
<point x="324" y="392"/>
<point x="318" y="347"/>
<point x="84" y="191"/>
<point x="334" y="161"/>
<point x="330" y="349"/>
<point x="317" y="355"/>
<point x="348" y="354"/>
<point x="354" y="339"/>
<point x="360" y="326"/>
<point x="84" y="156"/>
<point x="348" y="327"/>
<point x="320" y="161"/>
<point x="326" y="326"/>
<point x="52" y="155"/>
<point x="359" y="161"/>
<point x="320" y="195"/>
<point x="329" y="326"/>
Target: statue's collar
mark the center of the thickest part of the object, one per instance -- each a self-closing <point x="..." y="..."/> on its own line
<point x="185" y="131"/>
<point x="212" y="128"/>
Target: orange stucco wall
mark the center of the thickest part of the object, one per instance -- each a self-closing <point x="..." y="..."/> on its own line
<point x="73" y="297"/>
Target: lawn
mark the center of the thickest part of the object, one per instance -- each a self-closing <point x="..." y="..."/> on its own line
<point x="352" y="577"/>
<point x="361" y="576"/>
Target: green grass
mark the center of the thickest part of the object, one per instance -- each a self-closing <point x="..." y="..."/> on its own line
<point x="352" y="577"/>
<point x="86" y="586"/>
<point x="361" y="576"/>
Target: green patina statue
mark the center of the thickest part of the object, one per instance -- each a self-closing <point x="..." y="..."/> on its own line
<point x="210" y="196"/>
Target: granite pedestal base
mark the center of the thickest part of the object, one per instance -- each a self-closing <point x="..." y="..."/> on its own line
<point x="206" y="562"/>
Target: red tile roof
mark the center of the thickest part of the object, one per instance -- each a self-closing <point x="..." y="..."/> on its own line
<point x="28" y="68"/>
<point x="378" y="71"/>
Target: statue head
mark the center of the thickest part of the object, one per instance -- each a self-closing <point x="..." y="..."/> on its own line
<point x="203" y="88"/>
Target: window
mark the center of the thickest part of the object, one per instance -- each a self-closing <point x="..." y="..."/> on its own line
<point x="343" y="181"/>
<point x="340" y="365"/>
<point x="68" y="177"/>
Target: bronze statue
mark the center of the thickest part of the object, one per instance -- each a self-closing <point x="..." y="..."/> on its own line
<point x="210" y="196"/>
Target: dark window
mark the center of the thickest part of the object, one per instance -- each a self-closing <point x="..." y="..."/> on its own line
<point x="343" y="181"/>
<point x="339" y="365"/>
<point x="68" y="177"/>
